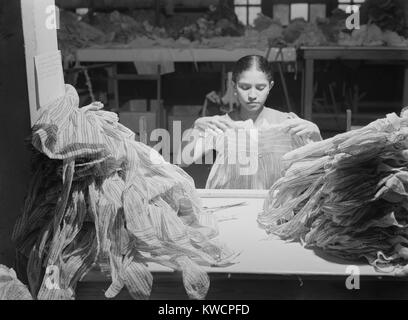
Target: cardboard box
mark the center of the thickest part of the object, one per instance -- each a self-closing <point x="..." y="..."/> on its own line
<point x="154" y="105"/>
<point x="187" y="110"/>
<point x="135" y="105"/>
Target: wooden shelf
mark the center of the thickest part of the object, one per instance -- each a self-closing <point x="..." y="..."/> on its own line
<point x="130" y="4"/>
<point x="355" y="53"/>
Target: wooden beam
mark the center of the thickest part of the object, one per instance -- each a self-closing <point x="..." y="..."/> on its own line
<point x="308" y="83"/>
<point x="355" y="53"/>
<point x="157" y="5"/>
<point x="130" y="4"/>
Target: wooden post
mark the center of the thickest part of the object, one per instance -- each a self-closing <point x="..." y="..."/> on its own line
<point x="405" y="88"/>
<point x="308" y="103"/>
<point x="160" y="111"/>
<point x="284" y="87"/>
<point x="157" y="11"/>
<point x="223" y="79"/>
<point x="115" y="86"/>
<point x="113" y="103"/>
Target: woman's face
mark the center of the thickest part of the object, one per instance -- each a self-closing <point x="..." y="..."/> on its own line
<point x="252" y="89"/>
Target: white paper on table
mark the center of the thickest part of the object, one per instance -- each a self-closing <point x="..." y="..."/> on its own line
<point x="50" y="77"/>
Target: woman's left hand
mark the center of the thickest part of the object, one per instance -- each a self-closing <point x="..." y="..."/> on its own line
<point x="94" y="106"/>
<point x="302" y="128"/>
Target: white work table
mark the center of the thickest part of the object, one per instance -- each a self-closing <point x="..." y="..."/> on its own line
<point x="264" y="265"/>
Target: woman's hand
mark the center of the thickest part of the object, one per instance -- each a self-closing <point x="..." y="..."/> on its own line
<point x="302" y="128"/>
<point x="214" y="125"/>
<point x="94" y="106"/>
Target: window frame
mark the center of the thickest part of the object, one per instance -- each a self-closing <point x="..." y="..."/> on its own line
<point x="267" y="5"/>
<point x="350" y="3"/>
<point x="308" y="10"/>
<point x="247" y="6"/>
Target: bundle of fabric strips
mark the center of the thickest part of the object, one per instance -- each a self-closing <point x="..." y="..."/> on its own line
<point x="347" y="196"/>
<point x="99" y="198"/>
<point x="10" y="287"/>
<point x="249" y="158"/>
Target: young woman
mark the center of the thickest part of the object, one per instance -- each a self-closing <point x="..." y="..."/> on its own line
<point x="276" y="133"/>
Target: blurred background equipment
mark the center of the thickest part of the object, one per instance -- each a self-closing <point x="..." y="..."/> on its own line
<point x="322" y="67"/>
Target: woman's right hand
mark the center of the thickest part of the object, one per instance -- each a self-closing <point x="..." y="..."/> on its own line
<point x="213" y="125"/>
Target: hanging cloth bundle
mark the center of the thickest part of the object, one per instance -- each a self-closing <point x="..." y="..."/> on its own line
<point x="98" y="197"/>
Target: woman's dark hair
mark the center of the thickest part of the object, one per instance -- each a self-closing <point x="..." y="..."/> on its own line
<point x="248" y="62"/>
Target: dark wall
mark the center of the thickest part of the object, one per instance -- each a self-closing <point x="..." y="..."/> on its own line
<point x="14" y="124"/>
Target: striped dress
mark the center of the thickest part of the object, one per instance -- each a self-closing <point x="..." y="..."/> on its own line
<point x="250" y="157"/>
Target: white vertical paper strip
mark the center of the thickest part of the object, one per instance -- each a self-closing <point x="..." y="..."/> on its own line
<point x="45" y="26"/>
<point x="38" y="39"/>
<point x="50" y="78"/>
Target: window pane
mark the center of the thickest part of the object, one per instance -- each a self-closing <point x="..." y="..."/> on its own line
<point x="82" y="11"/>
<point x="240" y="2"/>
<point x="359" y="1"/>
<point x="253" y="13"/>
<point x="317" y="11"/>
<point x="255" y="2"/>
<point x="281" y="13"/>
<point x="345" y="1"/>
<point x="241" y="13"/>
<point x="299" y="10"/>
<point x="343" y="6"/>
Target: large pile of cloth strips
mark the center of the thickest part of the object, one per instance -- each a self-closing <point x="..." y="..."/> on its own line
<point x="99" y="198"/>
<point x="347" y="196"/>
<point x="10" y="287"/>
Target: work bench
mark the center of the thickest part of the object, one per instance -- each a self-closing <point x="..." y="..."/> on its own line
<point x="266" y="268"/>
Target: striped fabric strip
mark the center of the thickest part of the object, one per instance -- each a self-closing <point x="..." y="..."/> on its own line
<point x="115" y="256"/>
<point x="263" y="148"/>
<point x="116" y="196"/>
<point x="137" y="278"/>
<point x="10" y="287"/>
<point x="196" y="281"/>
